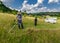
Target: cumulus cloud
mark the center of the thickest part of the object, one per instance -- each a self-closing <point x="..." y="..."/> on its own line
<point x="40" y="1"/>
<point x="54" y="10"/>
<point x="11" y="8"/>
<point x="28" y="7"/>
<point x="53" y="1"/>
<point x="6" y="0"/>
<point x="42" y="9"/>
<point x="34" y="8"/>
<point x="2" y="0"/>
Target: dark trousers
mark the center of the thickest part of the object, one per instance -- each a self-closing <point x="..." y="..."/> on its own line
<point x="20" y="24"/>
<point x="35" y="23"/>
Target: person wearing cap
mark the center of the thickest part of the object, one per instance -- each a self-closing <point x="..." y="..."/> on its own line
<point x="19" y="19"/>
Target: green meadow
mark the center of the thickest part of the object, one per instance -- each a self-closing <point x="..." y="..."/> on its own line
<point x="42" y="33"/>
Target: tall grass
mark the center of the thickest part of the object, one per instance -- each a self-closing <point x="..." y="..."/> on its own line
<point x="42" y="33"/>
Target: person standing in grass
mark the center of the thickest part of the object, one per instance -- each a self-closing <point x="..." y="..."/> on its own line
<point x="19" y="19"/>
<point x="35" y="21"/>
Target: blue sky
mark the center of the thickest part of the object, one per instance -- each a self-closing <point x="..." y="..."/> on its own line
<point x="34" y="5"/>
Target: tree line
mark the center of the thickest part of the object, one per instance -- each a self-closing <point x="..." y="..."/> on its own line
<point x="5" y="9"/>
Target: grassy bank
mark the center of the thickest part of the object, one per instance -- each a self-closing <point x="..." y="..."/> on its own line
<point x="42" y="33"/>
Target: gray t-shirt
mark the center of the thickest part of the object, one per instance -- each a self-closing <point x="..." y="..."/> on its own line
<point x="19" y="17"/>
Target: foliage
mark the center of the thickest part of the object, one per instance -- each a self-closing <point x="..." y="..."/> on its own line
<point x="5" y="9"/>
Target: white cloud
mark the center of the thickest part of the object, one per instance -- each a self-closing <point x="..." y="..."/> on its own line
<point x="53" y="1"/>
<point x="11" y="8"/>
<point x="54" y="10"/>
<point x="42" y="9"/>
<point x="40" y="1"/>
<point x="34" y="8"/>
<point x="7" y="1"/>
<point x="3" y="0"/>
<point x="28" y="7"/>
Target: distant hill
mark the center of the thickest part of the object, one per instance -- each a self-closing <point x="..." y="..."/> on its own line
<point x="5" y="9"/>
<point x="48" y="13"/>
